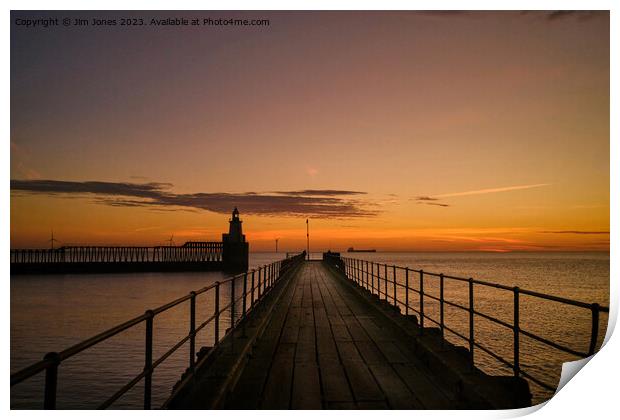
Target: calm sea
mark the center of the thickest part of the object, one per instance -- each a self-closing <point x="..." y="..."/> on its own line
<point x="50" y="313"/>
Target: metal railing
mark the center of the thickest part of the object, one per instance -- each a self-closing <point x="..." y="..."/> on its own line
<point x="368" y="275"/>
<point x="188" y="252"/>
<point x="256" y="285"/>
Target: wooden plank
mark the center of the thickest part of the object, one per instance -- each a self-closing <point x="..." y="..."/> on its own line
<point x="355" y="329"/>
<point x="348" y="352"/>
<point x="341" y="405"/>
<point x="306" y="352"/>
<point x="372" y="405"/>
<point x="364" y="386"/>
<point x="306" y="387"/>
<point x="426" y="392"/>
<point x="341" y="333"/>
<point x="398" y="395"/>
<point x="334" y="382"/>
<point x="370" y="353"/>
<point x="391" y="352"/>
<point x="277" y="393"/>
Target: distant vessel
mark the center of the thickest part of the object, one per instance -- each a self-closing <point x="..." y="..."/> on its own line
<point x="361" y="250"/>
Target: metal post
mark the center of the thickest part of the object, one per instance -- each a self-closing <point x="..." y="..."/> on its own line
<point x="148" y="359"/>
<point x="421" y="302"/>
<point x="260" y="270"/>
<point x="515" y="328"/>
<point x="406" y="290"/>
<point x="386" y="281"/>
<point x="51" y="381"/>
<point x="367" y="282"/>
<point x="245" y="293"/>
<point x="394" y="274"/>
<point x="372" y="277"/>
<point x="471" y="321"/>
<point x="217" y="312"/>
<point x="595" y="321"/>
<point x="441" y="306"/>
<point x="252" y="291"/>
<point x="232" y="302"/>
<point x="192" y="329"/>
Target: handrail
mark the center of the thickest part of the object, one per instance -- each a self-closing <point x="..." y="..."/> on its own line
<point x="367" y="274"/>
<point x="188" y="252"/>
<point x="268" y="276"/>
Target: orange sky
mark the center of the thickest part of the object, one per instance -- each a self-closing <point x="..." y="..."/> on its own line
<point x="397" y="131"/>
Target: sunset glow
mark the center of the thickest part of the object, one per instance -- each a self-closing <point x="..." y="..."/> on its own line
<point x="415" y="131"/>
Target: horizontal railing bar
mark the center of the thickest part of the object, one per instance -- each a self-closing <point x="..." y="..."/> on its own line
<point x="458" y="334"/>
<point x="552" y="344"/>
<point x="537" y="381"/>
<point x="497" y="321"/>
<point x="496" y="356"/>
<point x="100" y="337"/>
<point x="122" y="391"/>
<point x="172" y="304"/>
<point x="172" y="349"/>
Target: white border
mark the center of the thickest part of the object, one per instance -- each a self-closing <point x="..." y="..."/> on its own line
<point x="592" y="394"/>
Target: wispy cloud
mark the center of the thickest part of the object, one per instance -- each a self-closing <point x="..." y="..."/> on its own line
<point x="577" y="232"/>
<point x="158" y="196"/>
<point x="490" y="190"/>
<point x="320" y="192"/>
<point x="578" y="14"/>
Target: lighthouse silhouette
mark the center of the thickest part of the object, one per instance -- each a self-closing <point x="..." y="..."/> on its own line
<point x="236" y="250"/>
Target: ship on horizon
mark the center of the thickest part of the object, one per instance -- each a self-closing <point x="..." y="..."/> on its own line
<point x="351" y="249"/>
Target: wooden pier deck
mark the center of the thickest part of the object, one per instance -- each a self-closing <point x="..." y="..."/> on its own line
<point x="322" y="346"/>
<point x="326" y="348"/>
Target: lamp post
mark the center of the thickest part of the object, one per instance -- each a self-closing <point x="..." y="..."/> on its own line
<point x="307" y="240"/>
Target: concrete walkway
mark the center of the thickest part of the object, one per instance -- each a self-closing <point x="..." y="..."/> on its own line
<point x="325" y="347"/>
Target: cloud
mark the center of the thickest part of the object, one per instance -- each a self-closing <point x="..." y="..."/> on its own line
<point x="320" y="192"/>
<point x="429" y="201"/>
<point x="156" y="195"/>
<point x="490" y="190"/>
<point x="578" y="232"/>
<point x="579" y="14"/>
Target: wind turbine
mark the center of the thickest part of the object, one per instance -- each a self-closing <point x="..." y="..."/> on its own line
<point x="171" y="240"/>
<point x="52" y="239"/>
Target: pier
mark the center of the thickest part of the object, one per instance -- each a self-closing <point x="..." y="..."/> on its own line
<point x="336" y="333"/>
<point x="230" y="254"/>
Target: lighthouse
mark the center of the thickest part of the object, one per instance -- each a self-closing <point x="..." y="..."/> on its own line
<point x="236" y="250"/>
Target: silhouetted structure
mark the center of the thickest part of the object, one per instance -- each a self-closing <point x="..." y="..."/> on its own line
<point x="231" y="254"/>
<point x="236" y="249"/>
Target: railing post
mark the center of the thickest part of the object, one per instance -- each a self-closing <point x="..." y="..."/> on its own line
<point x="367" y="282"/>
<point x="217" y="312"/>
<point x="232" y="302"/>
<point x="406" y="290"/>
<point x="386" y="281"/>
<point x="51" y="381"/>
<point x="394" y="274"/>
<point x="471" y="321"/>
<point x="372" y="278"/>
<point x="441" y="306"/>
<point x="252" y="291"/>
<point x="148" y="359"/>
<point x="515" y="328"/>
<point x="421" y="302"/>
<point x="595" y="321"/>
<point x="245" y="293"/>
<point x="192" y="329"/>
